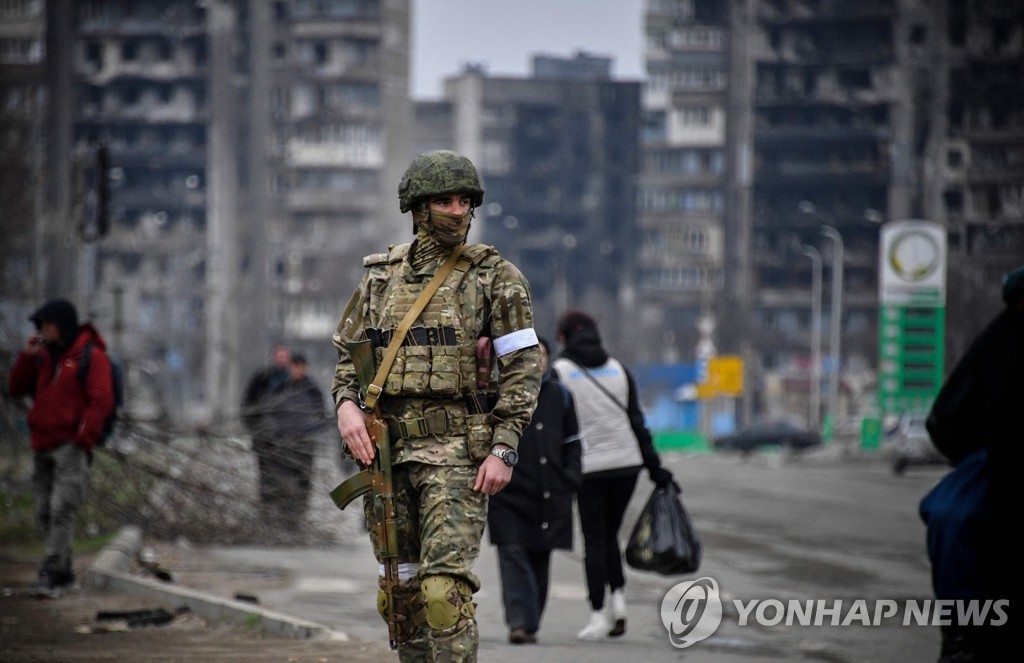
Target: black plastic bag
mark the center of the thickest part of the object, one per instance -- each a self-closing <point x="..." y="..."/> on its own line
<point x="663" y="539"/>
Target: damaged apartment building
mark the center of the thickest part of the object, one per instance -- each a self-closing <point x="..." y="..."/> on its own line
<point x="558" y="151"/>
<point x="248" y="147"/>
<point x="851" y="113"/>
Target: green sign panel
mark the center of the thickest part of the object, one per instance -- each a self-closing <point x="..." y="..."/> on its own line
<point x="910" y="369"/>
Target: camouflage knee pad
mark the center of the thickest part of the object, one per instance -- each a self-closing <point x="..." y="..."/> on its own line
<point x="449" y="602"/>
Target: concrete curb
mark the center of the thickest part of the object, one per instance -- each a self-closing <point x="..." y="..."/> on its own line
<point x="109" y="573"/>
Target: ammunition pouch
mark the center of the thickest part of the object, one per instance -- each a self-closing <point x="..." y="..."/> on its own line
<point x="419" y="371"/>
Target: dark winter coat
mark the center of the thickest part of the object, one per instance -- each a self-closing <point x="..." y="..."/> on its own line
<point x="535" y="509"/>
<point x="298" y="408"/>
<point x="978" y="405"/>
<point x="63" y="410"/>
<point x="256" y="411"/>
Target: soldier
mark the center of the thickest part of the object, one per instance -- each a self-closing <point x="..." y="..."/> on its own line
<point x="454" y="433"/>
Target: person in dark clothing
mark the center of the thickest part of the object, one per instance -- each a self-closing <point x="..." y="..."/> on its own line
<point x="260" y="418"/>
<point x="299" y="418"/>
<point x="617" y="444"/>
<point x="975" y="422"/>
<point x="66" y="420"/>
<point x="532" y="515"/>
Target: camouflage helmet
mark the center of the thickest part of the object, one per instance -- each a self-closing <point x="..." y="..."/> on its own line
<point x="437" y="172"/>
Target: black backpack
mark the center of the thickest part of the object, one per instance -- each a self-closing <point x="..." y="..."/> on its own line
<point x="116" y="378"/>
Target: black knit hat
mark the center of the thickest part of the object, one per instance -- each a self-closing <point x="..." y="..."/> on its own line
<point x="575" y="321"/>
<point x="62" y="313"/>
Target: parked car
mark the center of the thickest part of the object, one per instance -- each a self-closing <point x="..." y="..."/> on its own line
<point x="910" y="444"/>
<point x="767" y="433"/>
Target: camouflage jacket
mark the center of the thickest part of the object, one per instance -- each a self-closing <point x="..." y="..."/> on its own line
<point x="436" y="377"/>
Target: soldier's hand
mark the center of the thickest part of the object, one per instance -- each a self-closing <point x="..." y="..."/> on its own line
<point x="492" y="476"/>
<point x="352" y="426"/>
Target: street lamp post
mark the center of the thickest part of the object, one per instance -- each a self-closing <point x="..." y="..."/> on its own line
<point x="815" y="386"/>
<point x="835" y="322"/>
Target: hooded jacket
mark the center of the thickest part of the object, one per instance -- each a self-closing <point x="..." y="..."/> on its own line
<point x="63" y="410"/>
<point x="583" y="349"/>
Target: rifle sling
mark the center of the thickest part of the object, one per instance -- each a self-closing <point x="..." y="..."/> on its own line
<point x="374" y="390"/>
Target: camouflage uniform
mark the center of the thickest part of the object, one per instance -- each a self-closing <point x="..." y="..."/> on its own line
<point x="438" y="438"/>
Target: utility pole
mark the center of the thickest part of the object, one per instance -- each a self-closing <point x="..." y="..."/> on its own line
<point x="835" y="323"/>
<point x="222" y="218"/>
<point x="815" y="386"/>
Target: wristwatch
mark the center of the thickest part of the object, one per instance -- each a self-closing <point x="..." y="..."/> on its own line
<point x="509" y="456"/>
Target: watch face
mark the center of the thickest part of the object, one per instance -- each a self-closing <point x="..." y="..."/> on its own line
<point x="511" y="457"/>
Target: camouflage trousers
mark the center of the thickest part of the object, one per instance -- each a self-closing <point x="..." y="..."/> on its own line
<point x="440" y="521"/>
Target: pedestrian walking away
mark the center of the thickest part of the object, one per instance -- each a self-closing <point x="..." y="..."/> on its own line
<point x="461" y="385"/>
<point x="532" y="515"/>
<point x="617" y="443"/>
<point x="66" y="420"/>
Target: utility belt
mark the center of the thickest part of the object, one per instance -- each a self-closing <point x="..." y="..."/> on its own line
<point x="438" y="422"/>
<point x="478" y="429"/>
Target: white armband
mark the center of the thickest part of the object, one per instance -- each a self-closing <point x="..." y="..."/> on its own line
<point x="517" y="340"/>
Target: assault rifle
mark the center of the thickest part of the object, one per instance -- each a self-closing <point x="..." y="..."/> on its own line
<point x="376" y="478"/>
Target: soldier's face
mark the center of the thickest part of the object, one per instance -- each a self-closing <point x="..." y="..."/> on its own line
<point x="450" y="203"/>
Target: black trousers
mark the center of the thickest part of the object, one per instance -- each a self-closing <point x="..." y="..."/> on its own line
<point x="525" y="578"/>
<point x="602" y="503"/>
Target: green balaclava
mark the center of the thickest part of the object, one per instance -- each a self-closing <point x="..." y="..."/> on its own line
<point x="437" y="232"/>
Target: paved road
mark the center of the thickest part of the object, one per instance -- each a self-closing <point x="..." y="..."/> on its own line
<point x="821" y="526"/>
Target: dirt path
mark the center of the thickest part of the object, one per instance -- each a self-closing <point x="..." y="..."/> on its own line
<point x="65" y="630"/>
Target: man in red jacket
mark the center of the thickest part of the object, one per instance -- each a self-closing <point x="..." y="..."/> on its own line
<point x="66" y="419"/>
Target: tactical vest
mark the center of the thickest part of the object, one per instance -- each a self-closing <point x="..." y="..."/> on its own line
<point x="438" y="357"/>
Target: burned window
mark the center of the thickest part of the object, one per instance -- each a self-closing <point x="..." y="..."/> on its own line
<point x="94" y="54"/>
<point x="130" y="50"/>
<point x="855" y="78"/>
<point x="954" y="202"/>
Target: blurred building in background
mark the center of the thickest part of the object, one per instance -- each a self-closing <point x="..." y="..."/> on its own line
<point x="23" y="109"/>
<point x="849" y="113"/>
<point x="558" y="152"/>
<point x="248" y="151"/>
<point x="682" y="198"/>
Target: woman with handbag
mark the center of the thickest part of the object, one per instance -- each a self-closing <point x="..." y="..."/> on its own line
<point x="617" y="444"/>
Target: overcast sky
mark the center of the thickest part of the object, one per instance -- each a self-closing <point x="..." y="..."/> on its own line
<point x="504" y="34"/>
